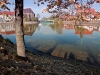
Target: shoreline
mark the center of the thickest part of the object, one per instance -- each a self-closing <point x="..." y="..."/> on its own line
<point x="83" y="23"/>
<point x="29" y="22"/>
<point x="41" y="64"/>
<point x="61" y="58"/>
<point x="13" y="49"/>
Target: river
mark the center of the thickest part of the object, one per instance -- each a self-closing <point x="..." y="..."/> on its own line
<point x="60" y="40"/>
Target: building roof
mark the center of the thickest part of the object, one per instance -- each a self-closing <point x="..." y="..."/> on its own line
<point x="91" y="10"/>
<point x="7" y="12"/>
<point x="28" y="10"/>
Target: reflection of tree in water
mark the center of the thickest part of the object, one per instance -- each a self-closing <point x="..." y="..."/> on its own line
<point x="57" y="27"/>
<point x="81" y="30"/>
<point x="29" y="29"/>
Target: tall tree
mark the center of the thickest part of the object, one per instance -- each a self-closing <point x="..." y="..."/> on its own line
<point x="19" y="28"/>
<point x="18" y="23"/>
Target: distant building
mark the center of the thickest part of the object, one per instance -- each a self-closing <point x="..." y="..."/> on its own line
<point x="28" y="14"/>
<point x="6" y="16"/>
<point x="89" y="11"/>
<point x="87" y="14"/>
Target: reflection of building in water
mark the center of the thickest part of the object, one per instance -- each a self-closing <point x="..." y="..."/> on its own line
<point x="88" y="30"/>
<point x="7" y="29"/>
<point x="85" y="31"/>
<point x="69" y="26"/>
<point x="10" y="29"/>
<point x="82" y="30"/>
<point x="29" y="29"/>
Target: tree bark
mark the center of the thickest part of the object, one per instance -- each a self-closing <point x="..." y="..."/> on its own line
<point x="19" y="28"/>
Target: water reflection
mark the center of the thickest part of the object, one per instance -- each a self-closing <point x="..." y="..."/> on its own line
<point x="57" y="27"/>
<point x="29" y="29"/>
<point x="10" y="29"/>
<point x="7" y="29"/>
<point x="67" y="41"/>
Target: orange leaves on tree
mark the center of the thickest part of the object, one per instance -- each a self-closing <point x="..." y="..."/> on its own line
<point x="2" y="4"/>
<point x="98" y="1"/>
<point x="59" y="2"/>
<point x="71" y="1"/>
<point x="45" y="10"/>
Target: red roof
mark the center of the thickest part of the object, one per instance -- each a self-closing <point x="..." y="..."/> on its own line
<point x="7" y="12"/>
<point x="91" y="10"/>
<point x="8" y="32"/>
<point x="27" y="10"/>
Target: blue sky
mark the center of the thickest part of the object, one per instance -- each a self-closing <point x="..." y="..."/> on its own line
<point x="38" y="9"/>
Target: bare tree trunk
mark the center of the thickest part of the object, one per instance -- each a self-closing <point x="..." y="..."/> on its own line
<point x="19" y="28"/>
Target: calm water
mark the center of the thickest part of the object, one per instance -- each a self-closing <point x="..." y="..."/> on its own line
<point x="57" y="40"/>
